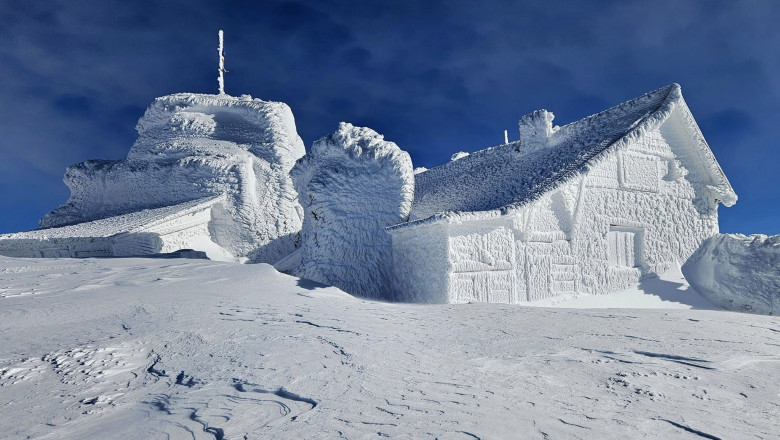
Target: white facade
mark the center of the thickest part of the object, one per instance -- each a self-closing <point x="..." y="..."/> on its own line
<point x="629" y="210"/>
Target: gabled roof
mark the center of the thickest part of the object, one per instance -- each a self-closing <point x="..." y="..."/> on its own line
<point x="498" y="179"/>
<point x="138" y="221"/>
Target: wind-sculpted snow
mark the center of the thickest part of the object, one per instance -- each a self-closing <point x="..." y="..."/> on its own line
<point x="738" y="272"/>
<point x="193" y="349"/>
<point x="545" y="157"/>
<point x="192" y="146"/>
<point x="149" y="231"/>
<point x="352" y="185"/>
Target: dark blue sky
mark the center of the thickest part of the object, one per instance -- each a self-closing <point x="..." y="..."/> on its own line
<point x="435" y="77"/>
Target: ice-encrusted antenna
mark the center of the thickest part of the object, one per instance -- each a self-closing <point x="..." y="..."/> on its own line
<point x="221" y="65"/>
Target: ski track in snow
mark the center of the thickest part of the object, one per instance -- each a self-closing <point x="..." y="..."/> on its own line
<point x="135" y="348"/>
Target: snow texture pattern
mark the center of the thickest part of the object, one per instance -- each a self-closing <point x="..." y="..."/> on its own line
<point x="352" y="185"/>
<point x="738" y="272"/>
<point x="591" y="207"/>
<point x="192" y="146"/>
<point x="545" y="157"/>
<point x="150" y="231"/>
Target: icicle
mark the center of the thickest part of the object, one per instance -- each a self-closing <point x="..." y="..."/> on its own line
<point x="506" y="136"/>
<point x="221" y="66"/>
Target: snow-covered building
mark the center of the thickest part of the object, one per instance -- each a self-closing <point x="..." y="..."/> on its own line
<point x="190" y="148"/>
<point x="589" y="207"/>
<point x="145" y="232"/>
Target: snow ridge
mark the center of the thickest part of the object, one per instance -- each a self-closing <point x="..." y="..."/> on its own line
<point x="352" y="185"/>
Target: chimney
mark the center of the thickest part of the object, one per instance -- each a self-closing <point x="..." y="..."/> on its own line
<point x="536" y="128"/>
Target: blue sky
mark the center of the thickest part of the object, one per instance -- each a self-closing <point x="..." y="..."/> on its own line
<point x="435" y="77"/>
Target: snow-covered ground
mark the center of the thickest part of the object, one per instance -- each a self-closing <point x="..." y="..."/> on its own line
<point x="154" y="348"/>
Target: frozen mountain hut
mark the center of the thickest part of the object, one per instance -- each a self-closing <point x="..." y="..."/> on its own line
<point x="352" y="185"/>
<point x="191" y="148"/>
<point x="589" y="207"/>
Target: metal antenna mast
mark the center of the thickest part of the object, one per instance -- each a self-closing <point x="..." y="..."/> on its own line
<point x="221" y="65"/>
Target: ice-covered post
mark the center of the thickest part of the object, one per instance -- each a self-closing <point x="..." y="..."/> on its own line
<point x="506" y="136"/>
<point x="221" y="66"/>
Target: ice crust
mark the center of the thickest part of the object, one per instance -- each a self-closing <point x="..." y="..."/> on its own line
<point x="738" y="272"/>
<point x="192" y="146"/>
<point x="352" y="185"/>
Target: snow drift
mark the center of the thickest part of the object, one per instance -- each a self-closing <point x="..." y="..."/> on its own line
<point x="192" y="146"/>
<point x="738" y="272"/>
<point x="352" y="185"/>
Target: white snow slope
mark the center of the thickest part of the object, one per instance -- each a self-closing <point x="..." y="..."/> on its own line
<point x="738" y="272"/>
<point x="192" y="146"/>
<point x="181" y="349"/>
<point x="352" y="185"/>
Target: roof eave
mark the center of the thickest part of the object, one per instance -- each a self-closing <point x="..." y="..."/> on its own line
<point x="723" y="190"/>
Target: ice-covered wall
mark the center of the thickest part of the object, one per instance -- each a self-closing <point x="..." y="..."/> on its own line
<point x="192" y="146"/>
<point x="482" y="257"/>
<point x="643" y="209"/>
<point x="421" y="264"/>
<point x="737" y="272"/>
<point x="632" y="213"/>
<point x="352" y="185"/>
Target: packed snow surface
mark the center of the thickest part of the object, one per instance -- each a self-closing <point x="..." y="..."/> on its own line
<point x="192" y="146"/>
<point x="514" y="174"/>
<point x="738" y="272"/>
<point x="352" y="185"/>
<point x="146" y="348"/>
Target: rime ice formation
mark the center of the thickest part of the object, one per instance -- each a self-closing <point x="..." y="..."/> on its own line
<point x="738" y="272"/>
<point x="590" y="207"/>
<point x="150" y="231"/>
<point x="192" y="146"/>
<point x="352" y="185"/>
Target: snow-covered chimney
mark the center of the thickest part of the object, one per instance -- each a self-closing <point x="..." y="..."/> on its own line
<point x="536" y="128"/>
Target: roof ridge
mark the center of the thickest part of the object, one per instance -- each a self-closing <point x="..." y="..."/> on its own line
<point x="673" y="87"/>
<point x="500" y="179"/>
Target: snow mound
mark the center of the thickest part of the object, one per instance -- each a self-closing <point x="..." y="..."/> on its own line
<point x="738" y="272"/>
<point x="192" y="146"/>
<point x="352" y="185"/>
